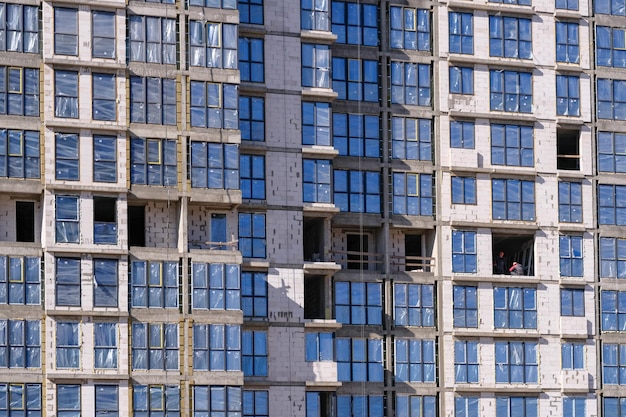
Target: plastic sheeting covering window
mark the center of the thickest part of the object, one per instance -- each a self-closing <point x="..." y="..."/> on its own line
<point x="66" y="94"/>
<point x="359" y="360"/>
<point x="465" y="362"/>
<point x="19" y="91"/>
<point x="20" y="280"/>
<point x="516" y="362"/>
<point x="20" y="344"/>
<point x="571" y="256"/>
<point x="252" y="118"/>
<point x="356" y="134"/>
<point x="68" y="400"/>
<point x="567" y="4"/>
<point x="156" y="400"/>
<point x="66" y="156"/>
<point x="103" y="34"/>
<point x="153" y="100"/>
<point x="105" y="282"/>
<point x="19" y="28"/>
<point x="251" y="11"/>
<point x="252" y="176"/>
<point x="410" y="83"/>
<point x="568" y="95"/>
<point x="413" y="194"/>
<point x="513" y="199"/>
<point x="314" y="15"/>
<point x="611" y="47"/>
<point x="415" y="360"/>
<point x="410" y="28"/>
<point x="411" y="139"/>
<point x="613" y="305"/>
<point x="66" y="219"/>
<point x="316" y="181"/>
<point x="106" y="401"/>
<point x="462" y="134"/>
<point x="573" y="302"/>
<point x="65" y="31"/>
<point x="512" y="145"/>
<point x="567" y="43"/>
<point x="153" y="162"/>
<point x="465" y="306"/>
<point x="212" y="45"/>
<point x="214" y="165"/>
<point x="357" y="191"/>
<point x="572" y="355"/>
<point x="612" y="257"/>
<point x="511" y="91"/>
<point x="516" y="406"/>
<point x="570" y="202"/>
<point x="358" y="303"/>
<point x="105" y="345"/>
<point x="104" y="97"/>
<point x="361" y="405"/>
<point x="154" y="284"/>
<point x="610" y="7"/>
<point x="319" y="347"/>
<point x="461" y="80"/>
<point x="463" y="190"/>
<point x="215" y="400"/>
<point x="355" y="24"/>
<point x="252" y="60"/>
<point x="464" y="251"/>
<point x="20" y="400"/>
<point x="254" y="294"/>
<point x="316" y="118"/>
<point x="215" y="286"/>
<point x="510" y="37"/>
<point x="152" y="39"/>
<point x="216" y="4"/>
<point x="19" y="154"/>
<point x="155" y="346"/>
<point x="214" y="105"/>
<point x="612" y="204"/>
<point x="254" y="353"/>
<point x="461" y="33"/>
<point x="613" y="364"/>
<point x="216" y="347"/>
<point x="611" y="101"/>
<point x="355" y="79"/>
<point x="104" y="158"/>
<point x="515" y="308"/>
<point x="315" y="65"/>
<point x="466" y="406"/>
<point x="67" y="345"/>
<point x="414" y="305"/>
<point x="67" y="282"/>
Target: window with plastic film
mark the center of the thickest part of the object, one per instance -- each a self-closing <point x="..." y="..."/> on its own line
<point x="154" y="284"/>
<point x="20" y="344"/>
<point x="20" y="280"/>
<point x="570" y="202"/>
<point x="461" y="33"/>
<point x="315" y="65"/>
<point x="251" y="11"/>
<point x="254" y="353"/>
<point x="572" y="302"/>
<point x="68" y="400"/>
<point x="410" y="83"/>
<point x="518" y="2"/>
<point x="316" y="181"/>
<point x="252" y="176"/>
<point x="463" y="190"/>
<point x="355" y="79"/>
<point x="215" y="286"/>
<point x="611" y="99"/>
<point x="104" y="103"/>
<point x="466" y="362"/>
<point x="216" y="4"/>
<point x="105" y="282"/>
<point x="214" y="105"/>
<point x="66" y="156"/>
<point x="251" y="60"/>
<point x="463" y="251"/>
<point x="412" y="194"/>
<point x="358" y="302"/>
<point x="613" y="305"/>
<point x="612" y="204"/>
<point x="612" y="257"/>
<point x="316" y="123"/>
<point x="613" y="364"/>
<point x="19" y="153"/>
<point x="67" y="282"/>
<point x="414" y="305"/>
<point x="517" y="406"/>
<point x="252" y="237"/>
<point x="571" y="256"/>
<point x="19" y="28"/>
<point x="575" y="406"/>
<point x="105" y="345"/>
<point x="106" y="400"/>
<point x="360" y="405"/>
<point x="516" y="362"/>
<point x="568" y="95"/>
<point x="155" y="346"/>
<point x="359" y="360"/>
<point x="224" y="401"/>
<point x="513" y="199"/>
<point x="252" y="118"/>
<point x="153" y="100"/>
<point x="465" y="306"/>
<point x="254" y="294"/>
<point x="611" y="152"/>
<point x="104" y="158"/>
<point x="566" y="4"/>
<point x="319" y="347"/>
<point x="20" y="400"/>
<point x="66" y="94"/>
<point x="610" y="47"/>
<point x="614" y="406"/>
<point x="65" y="31"/>
<point x="357" y="191"/>
<point x="510" y="37"/>
<point x="355" y="24"/>
<point x="511" y="91"/>
<point x="515" y="308"/>
<point x="416" y="406"/>
<point x="216" y="347"/>
<point x="610" y="7"/>
<point x="512" y="145"/>
<point x="156" y="400"/>
<point x="214" y="165"/>
<point x="152" y="39"/>
<point x="567" y="42"/>
<point x="356" y="134"/>
<point x="461" y="80"/>
<point x="409" y="28"/>
<point x="67" y="345"/>
<point x="153" y="161"/>
<point x="462" y="134"/>
<point x="415" y="360"/>
<point x="19" y="90"/>
<point x="466" y="406"/>
<point x="212" y="45"/>
<point x="315" y="15"/>
<point x="256" y="404"/>
<point x="572" y="355"/>
<point x="103" y="34"/>
<point x="411" y="138"/>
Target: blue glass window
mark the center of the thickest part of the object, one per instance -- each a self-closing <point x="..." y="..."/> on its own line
<point x="215" y="286"/>
<point x="252" y="176"/>
<point x="66" y="156"/>
<point x="252" y="60"/>
<point x="153" y="162"/>
<point x="251" y="11"/>
<point x="315" y="65"/>
<point x="610" y="7"/>
<point x="573" y="302"/>
<point x="19" y="89"/>
<point x="212" y="45"/>
<point x="465" y="362"/>
<point x="358" y="302"/>
<point x="104" y="97"/>
<point x="416" y="406"/>
<point x="571" y="256"/>
<point x="359" y="360"/>
<point x="355" y="79"/>
<point x="466" y="406"/>
<point x="611" y="47"/>
<point x="568" y="95"/>
<point x="254" y="353"/>
<point x="516" y="362"/>
<point x="216" y="347"/>
<point x="67" y="282"/>
<point x="254" y="294"/>
<point x="19" y="153"/>
<point x="360" y="405"/>
<point x="105" y="282"/>
<point x="155" y="346"/>
<point x="613" y="364"/>
<point x="516" y="406"/>
<point x="611" y="152"/>
<point x="613" y="304"/>
<point x="66" y="219"/>
<point x="567" y="42"/>
<point x="252" y="118"/>
<point x="316" y="123"/>
<point x="156" y="400"/>
<point x="106" y="401"/>
<point x="515" y="308"/>
<point x="412" y="194"/>
<point x="20" y="280"/>
<point x="572" y="355"/>
<point x="104" y="158"/>
<point x="152" y="39"/>
<point x="513" y="199"/>
<point x="214" y="105"/>
<point x="316" y="181"/>
<point x="414" y="305"/>
<point x="68" y="400"/>
<point x="319" y="347"/>
<point x="415" y="360"/>
<point x="154" y="284"/>
<point x="570" y="202"/>
<point x="356" y="135"/>
<point x="614" y="406"/>
<point x="66" y="94"/>
<point x="217" y="4"/>
<point x="216" y="401"/>
<point x="463" y="190"/>
<point x="512" y="145"/>
<point x="20" y="28"/>
<point x="612" y="257"/>
<point x="355" y="24"/>
<point x="410" y="28"/>
<point x="463" y="251"/>
<point x="153" y="100"/>
<point x="575" y="407"/>
<point x="214" y="165"/>
<point x="104" y="220"/>
<point x="67" y="345"/>
<point x="315" y="15"/>
<point x="65" y="31"/>
<point x="566" y="4"/>
<point x="411" y="139"/>
<point x="103" y="34"/>
<point x="252" y="239"/>
<point x="105" y="345"/>
<point x="465" y="306"/>
<point x="21" y="399"/>
<point x="612" y="204"/>
<point x="20" y="344"/>
<point x="519" y="2"/>
<point x="256" y="404"/>
<point x="510" y="37"/>
<point x="511" y="91"/>
<point x="461" y="33"/>
<point x="461" y="134"/>
<point x="461" y="80"/>
<point x="357" y="191"/>
<point x="611" y="99"/>
<point x="410" y="83"/>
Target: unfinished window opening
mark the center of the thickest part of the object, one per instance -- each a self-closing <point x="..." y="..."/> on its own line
<point x="25" y="221"/>
<point x="136" y="226"/>
<point x="413" y="255"/>
<point x="313" y="240"/>
<point x="508" y="248"/>
<point x="357" y="246"/>
<point x="104" y="220"/>
<point x="568" y="149"/>
<point x="314" y="297"/>
<point x="320" y="403"/>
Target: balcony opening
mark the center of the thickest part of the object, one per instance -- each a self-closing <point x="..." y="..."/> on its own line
<point x="509" y="248"/>
<point x="315" y="297"/>
<point x="568" y="149"/>
<point x="136" y="226"/>
<point x="357" y="246"/>
<point x="413" y="255"/>
<point x="313" y="233"/>
<point x="25" y="221"/>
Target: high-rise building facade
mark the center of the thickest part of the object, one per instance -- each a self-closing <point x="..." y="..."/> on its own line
<point x="310" y="208"/>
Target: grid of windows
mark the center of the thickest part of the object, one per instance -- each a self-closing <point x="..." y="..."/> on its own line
<point x="461" y="80"/>
<point x="19" y="153"/>
<point x="414" y="305"/>
<point x="316" y="123"/>
<point x="415" y="360"/>
<point x="153" y="161"/>
<point x="461" y="32"/>
<point x="610" y="47"/>
<point x="513" y="199"/>
<point x="252" y="238"/>
<point x="67" y="345"/>
<point x="359" y="360"/>
<point x="21" y="399"/>
<point x="256" y="404"/>
<point x="214" y="165"/>
<point x="214" y="105"/>
<point x="315" y="15"/>
<point x="65" y="31"/>
<point x="252" y="176"/>
<point x="567" y="42"/>
<point x="254" y="294"/>
<point x="463" y="251"/>
<point x="410" y="83"/>
<point x="511" y="91"/>
<point x="411" y="139"/>
<point x="412" y="194"/>
<point x="212" y="45"/>
<point x="251" y="11"/>
<point x="570" y="202"/>
<point x="215" y="286"/>
<point x="465" y="362"/>
<point x="251" y="60"/>
<point x="355" y="79"/>
<point x="461" y="134"/>
<point x="152" y="39"/>
<point x="510" y="37"/>
<point x="66" y="219"/>
<point x="155" y="346"/>
<point x="357" y="191"/>
<point x="360" y="405"/>
<point x="153" y="100"/>
<point x="19" y="28"/>
<point x="20" y="280"/>
<point x="316" y="181"/>
<point x="466" y="406"/>
<point x="19" y="90"/>
<point x="611" y="152"/>
<point x="516" y="362"/>
<point x="20" y="344"/>
<point x="572" y="355"/>
<point x="319" y="347"/>
<point x="254" y="353"/>
<point x="515" y="308"/>
<point x="356" y="134"/>
<point x="410" y="28"/>
<point x="611" y="99"/>
<point x="571" y="256"/>
<point x="613" y="305"/>
<point x="315" y="65"/>
<point x="568" y="95"/>
<point x="517" y="406"/>
<point x="463" y="190"/>
<point x="512" y="145"/>
<point x="154" y="284"/>
<point x="611" y="204"/>
<point x="216" y="347"/>
<point x="156" y="400"/>
<point x="252" y="118"/>
<point x="355" y="24"/>
<point x="613" y="364"/>
<point x="573" y="302"/>
<point x="358" y="302"/>
<point x="612" y="257"/>
<point x="215" y="400"/>
<point x="105" y="345"/>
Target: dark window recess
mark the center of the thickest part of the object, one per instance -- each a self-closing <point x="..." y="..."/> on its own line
<point x="516" y="248"/>
<point x="313" y="240"/>
<point x="25" y="221"/>
<point x="136" y="226"/>
<point x="357" y="249"/>
<point x="568" y="149"/>
<point x="314" y="297"/>
<point x="413" y="252"/>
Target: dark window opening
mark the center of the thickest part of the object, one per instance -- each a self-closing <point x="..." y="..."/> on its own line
<point x="25" y="221"/>
<point x="136" y="226"/>
<point x="413" y="258"/>
<point x="567" y="150"/>
<point x="313" y="240"/>
<point x="314" y="297"/>
<point x="513" y="248"/>
<point x="357" y="246"/>
<point x="320" y="404"/>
